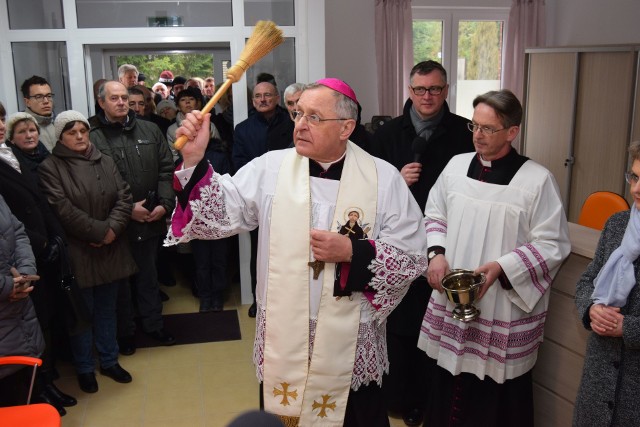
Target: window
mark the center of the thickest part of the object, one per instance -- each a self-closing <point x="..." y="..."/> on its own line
<point x="44" y="59"/>
<point x="469" y="44"/>
<point x="150" y="13"/>
<point x="279" y="11"/>
<point x="37" y="14"/>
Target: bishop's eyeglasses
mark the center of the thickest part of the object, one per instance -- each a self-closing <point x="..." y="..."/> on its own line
<point x="312" y="119"/>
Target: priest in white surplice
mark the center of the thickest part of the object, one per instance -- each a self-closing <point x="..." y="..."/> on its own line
<point x="320" y="349"/>
<point x="499" y="213"/>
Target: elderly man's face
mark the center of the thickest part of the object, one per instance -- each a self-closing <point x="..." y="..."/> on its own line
<point x="324" y="141"/>
<point x="161" y="89"/>
<point x="116" y="102"/>
<point x="130" y="79"/>
<point x="265" y="98"/>
<point x="428" y="105"/>
<point x="291" y="101"/>
<point x="492" y="140"/>
<point x="40" y="100"/>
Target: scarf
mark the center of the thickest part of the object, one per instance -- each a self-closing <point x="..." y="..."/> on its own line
<point x="425" y="128"/>
<point x="7" y="156"/>
<point x="617" y="277"/>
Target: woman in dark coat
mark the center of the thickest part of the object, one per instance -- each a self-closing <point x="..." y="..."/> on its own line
<point x="608" y="301"/>
<point x="20" y="189"/>
<point x="94" y="204"/>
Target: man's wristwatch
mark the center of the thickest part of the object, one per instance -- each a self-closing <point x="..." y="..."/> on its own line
<point x="435" y="252"/>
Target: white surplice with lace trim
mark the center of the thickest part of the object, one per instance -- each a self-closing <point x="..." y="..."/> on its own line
<point x="226" y="205"/>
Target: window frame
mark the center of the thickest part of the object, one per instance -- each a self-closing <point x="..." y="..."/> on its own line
<point x="451" y="18"/>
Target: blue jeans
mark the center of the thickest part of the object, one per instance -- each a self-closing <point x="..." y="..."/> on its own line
<point x="101" y="302"/>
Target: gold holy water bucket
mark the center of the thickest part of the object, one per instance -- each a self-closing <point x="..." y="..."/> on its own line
<point x="462" y="288"/>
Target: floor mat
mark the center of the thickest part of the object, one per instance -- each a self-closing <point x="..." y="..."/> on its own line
<point x="195" y="328"/>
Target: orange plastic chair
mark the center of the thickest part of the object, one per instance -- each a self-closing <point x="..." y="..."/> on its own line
<point x="599" y="206"/>
<point x="36" y="415"/>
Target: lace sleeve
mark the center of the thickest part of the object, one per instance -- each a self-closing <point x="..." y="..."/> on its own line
<point x="204" y="217"/>
<point x="393" y="271"/>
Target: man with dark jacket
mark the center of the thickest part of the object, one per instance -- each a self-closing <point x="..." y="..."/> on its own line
<point x="419" y="143"/>
<point x="268" y="128"/>
<point x="144" y="161"/>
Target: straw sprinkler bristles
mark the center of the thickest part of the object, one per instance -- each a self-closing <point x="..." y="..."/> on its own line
<point x="266" y="36"/>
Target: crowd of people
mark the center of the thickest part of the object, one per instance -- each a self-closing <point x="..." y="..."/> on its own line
<point x="351" y="233"/>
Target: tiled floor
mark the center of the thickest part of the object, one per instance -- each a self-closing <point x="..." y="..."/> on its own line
<point x="181" y="386"/>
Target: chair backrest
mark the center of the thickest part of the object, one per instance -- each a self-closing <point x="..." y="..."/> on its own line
<point x="599" y="206"/>
<point x="37" y="415"/>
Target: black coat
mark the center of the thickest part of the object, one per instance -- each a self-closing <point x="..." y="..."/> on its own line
<point x="143" y="159"/>
<point x="393" y="142"/>
<point x="28" y="204"/>
<point x="255" y="136"/>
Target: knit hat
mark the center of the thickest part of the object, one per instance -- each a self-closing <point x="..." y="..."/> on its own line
<point x="65" y="117"/>
<point x="166" y="103"/>
<point x="166" y="77"/>
<point x="339" y="86"/>
<point x="16" y="118"/>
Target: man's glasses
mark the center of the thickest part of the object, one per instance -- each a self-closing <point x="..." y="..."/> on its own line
<point x="484" y="130"/>
<point x="631" y="178"/>
<point x="433" y="90"/>
<point x="41" y="98"/>
<point x="313" y="119"/>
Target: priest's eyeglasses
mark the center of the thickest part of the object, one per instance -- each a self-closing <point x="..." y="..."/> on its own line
<point x="421" y="90"/>
<point x="41" y="98"/>
<point x="631" y="178"/>
<point x="484" y="130"/>
<point x="312" y="119"/>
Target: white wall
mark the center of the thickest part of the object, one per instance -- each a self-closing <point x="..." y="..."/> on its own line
<point x="592" y="22"/>
<point x="350" y="39"/>
<point x="350" y="49"/>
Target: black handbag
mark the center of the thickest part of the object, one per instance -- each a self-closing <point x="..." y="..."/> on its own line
<point x="77" y="314"/>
